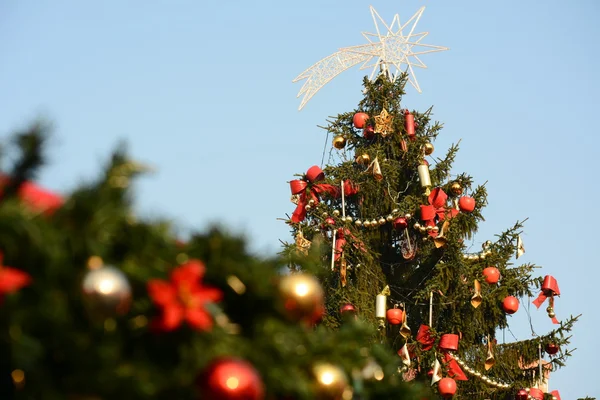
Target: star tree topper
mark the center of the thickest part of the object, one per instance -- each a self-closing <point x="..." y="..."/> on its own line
<point x="389" y="47"/>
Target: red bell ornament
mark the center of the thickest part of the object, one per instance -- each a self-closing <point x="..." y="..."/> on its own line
<point x="400" y="223"/>
<point x="447" y="387"/>
<point x="231" y="379"/>
<point x="360" y="119"/>
<point x="492" y="275"/>
<point x="395" y="315"/>
<point x="510" y="304"/>
<point x="521" y="395"/>
<point x="466" y="204"/>
<point x="552" y="348"/>
<point x="369" y="132"/>
<point x="409" y="125"/>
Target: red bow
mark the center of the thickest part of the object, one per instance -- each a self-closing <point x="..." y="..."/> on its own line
<point x="424" y="337"/>
<point x="436" y="210"/>
<point x="549" y="289"/>
<point x="309" y="188"/>
<point x="555" y="393"/>
<point x="35" y="197"/>
<point x="536" y="393"/>
<point x="448" y="343"/>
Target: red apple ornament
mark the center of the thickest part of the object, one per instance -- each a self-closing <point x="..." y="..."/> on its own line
<point x="521" y="395"/>
<point x="360" y="119"/>
<point x="551" y="349"/>
<point x="466" y="204"/>
<point x="395" y="315"/>
<point x="492" y="275"/>
<point x="510" y="304"/>
<point x="447" y="387"/>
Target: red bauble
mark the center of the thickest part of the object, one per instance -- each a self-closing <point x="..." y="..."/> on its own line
<point x="521" y="395"/>
<point x="510" y="304"/>
<point x="360" y="119"/>
<point x="466" y="204"/>
<point x="369" y="132"/>
<point x="395" y="316"/>
<point x="231" y="379"/>
<point x="492" y="275"/>
<point x="447" y="387"/>
<point x="330" y="221"/>
<point x="400" y="223"/>
<point x="551" y="349"/>
<point x="348" y="310"/>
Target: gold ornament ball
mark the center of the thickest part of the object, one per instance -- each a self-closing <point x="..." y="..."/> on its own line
<point x="339" y="142"/>
<point x="358" y="222"/>
<point x="550" y="312"/>
<point x="367" y="224"/>
<point x="349" y="219"/>
<point x="336" y="213"/>
<point x="417" y="225"/>
<point x="331" y="382"/>
<point x="311" y="202"/>
<point x="456" y="188"/>
<point x="389" y="218"/>
<point x="381" y="221"/>
<point x="363" y="159"/>
<point x="373" y="223"/>
<point x="302" y="296"/>
<point x="307" y="207"/>
<point x="106" y="292"/>
<point x="428" y="148"/>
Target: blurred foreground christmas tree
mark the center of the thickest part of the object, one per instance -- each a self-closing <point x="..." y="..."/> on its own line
<point x="392" y="222"/>
<point x="98" y="305"/>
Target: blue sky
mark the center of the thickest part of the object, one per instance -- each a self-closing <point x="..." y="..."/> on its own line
<point x="202" y="91"/>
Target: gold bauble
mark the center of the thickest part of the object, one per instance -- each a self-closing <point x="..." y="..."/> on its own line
<point x="302" y="296"/>
<point x="358" y="222"/>
<point x="389" y="218"/>
<point x="363" y="159"/>
<point x="381" y="221"/>
<point x="367" y="224"/>
<point x="336" y="213"/>
<point x="373" y="223"/>
<point x="550" y="312"/>
<point x="106" y="292"/>
<point x="456" y="188"/>
<point x="428" y="148"/>
<point x="331" y="382"/>
<point x="339" y="142"/>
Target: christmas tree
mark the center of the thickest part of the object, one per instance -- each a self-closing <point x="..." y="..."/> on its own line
<point x="393" y="220"/>
<point x="98" y="304"/>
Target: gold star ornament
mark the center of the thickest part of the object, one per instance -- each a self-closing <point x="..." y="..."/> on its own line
<point x="383" y="123"/>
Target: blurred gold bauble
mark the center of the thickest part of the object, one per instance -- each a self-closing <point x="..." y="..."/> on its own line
<point x="389" y="218"/>
<point x="428" y="148"/>
<point x="363" y="159"/>
<point x="550" y="312"/>
<point x="331" y="383"/>
<point x="106" y="292"/>
<point x="302" y="296"/>
<point x="358" y="222"/>
<point x="456" y="188"/>
<point x="381" y="221"/>
<point x="373" y="223"/>
<point x="339" y="142"/>
<point x="367" y="224"/>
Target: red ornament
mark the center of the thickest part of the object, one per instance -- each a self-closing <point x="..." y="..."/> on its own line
<point x="510" y="304"/>
<point x="11" y="279"/>
<point x="231" y="379"/>
<point x="360" y="119"/>
<point x="536" y="393"/>
<point x="369" y="132"/>
<point x="492" y="275"/>
<point x="183" y="298"/>
<point x="552" y="348"/>
<point x="330" y="221"/>
<point x="395" y="315"/>
<point x="466" y="204"/>
<point x="348" y="310"/>
<point x="35" y="197"/>
<point x="400" y="223"/>
<point x="521" y="395"/>
<point x="409" y="124"/>
<point x="447" y="387"/>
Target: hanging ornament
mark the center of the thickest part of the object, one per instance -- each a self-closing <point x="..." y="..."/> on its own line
<point x="106" y="290"/>
<point x="363" y="159"/>
<point x="404" y="355"/>
<point x="339" y="142"/>
<point x="231" y="379"/>
<point x="369" y="132"/>
<point x="466" y="204"/>
<point x="428" y="149"/>
<point x="510" y="304"/>
<point x="400" y="223"/>
<point x="489" y="359"/>
<point x="331" y="382"/>
<point x="492" y="275"/>
<point x="456" y="188"/>
<point x="383" y="123"/>
<point x="409" y="124"/>
<point x="477" y="299"/>
<point x="381" y="306"/>
<point x="520" y="247"/>
<point x="11" y="279"/>
<point x="303" y="297"/>
<point x="552" y="349"/>
<point x="375" y="169"/>
<point x="405" y="331"/>
<point x="447" y="387"/>
<point x="348" y="311"/>
<point x="302" y="244"/>
<point x="395" y="315"/>
<point x="424" y="177"/>
<point x="549" y="289"/>
<point x="309" y="189"/>
<point x="360" y="119"/>
<point x="436" y="372"/>
<point x="403" y="145"/>
<point x="536" y="394"/>
<point x="521" y="395"/>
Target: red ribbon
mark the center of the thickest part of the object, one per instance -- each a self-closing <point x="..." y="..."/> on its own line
<point x="424" y="337"/>
<point x="308" y="189"/>
<point x="436" y="210"/>
<point x="340" y="242"/>
<point x="35" y="197"/>
<point x="536" y="393"/>
<point x="556" y="394"/>
<point x="448" y="343"/>
<point x="549" y="289"/>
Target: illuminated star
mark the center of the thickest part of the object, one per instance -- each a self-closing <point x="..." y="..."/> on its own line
<point x="387" y="48"/>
